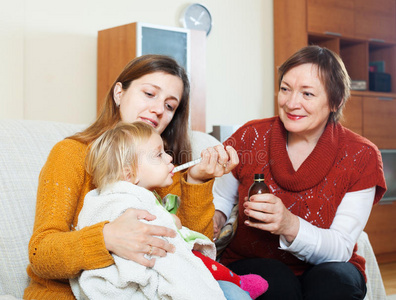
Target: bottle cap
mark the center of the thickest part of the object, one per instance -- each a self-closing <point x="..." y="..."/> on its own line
<point x="258" y="176"/>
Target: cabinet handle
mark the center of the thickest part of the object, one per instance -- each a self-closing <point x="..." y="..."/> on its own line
<point x="385" y="98"/>
<point x="377" y="40"/>
<point x="332" y="33"/>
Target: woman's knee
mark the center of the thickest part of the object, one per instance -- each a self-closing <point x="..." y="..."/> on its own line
<point x="334" y="280"/>
<point x="282" y="283"/>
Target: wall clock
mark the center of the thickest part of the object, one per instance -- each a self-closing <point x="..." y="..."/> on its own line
<point x="197" y="16"/>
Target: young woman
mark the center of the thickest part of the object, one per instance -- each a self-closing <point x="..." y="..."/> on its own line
<point x="153" y="89"/>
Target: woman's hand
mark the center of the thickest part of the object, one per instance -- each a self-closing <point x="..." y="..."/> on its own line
<point x="131" y="239"/>
<point x="219" y="220"/>
<point x="267" y="212"/>
<point x="216" y="161"/>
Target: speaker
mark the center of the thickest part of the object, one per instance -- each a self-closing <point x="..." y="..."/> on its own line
<point x="379" y="82"/>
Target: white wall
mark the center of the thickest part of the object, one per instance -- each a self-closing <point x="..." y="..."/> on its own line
<point x="48" y="56"/>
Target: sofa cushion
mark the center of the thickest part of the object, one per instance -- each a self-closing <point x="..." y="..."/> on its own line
<point x="24" y="147"/>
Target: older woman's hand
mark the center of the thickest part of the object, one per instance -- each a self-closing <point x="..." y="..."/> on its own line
<point x="267" y="212"/>
<point x="216" y="161"/>
<point x="131" y="239"/>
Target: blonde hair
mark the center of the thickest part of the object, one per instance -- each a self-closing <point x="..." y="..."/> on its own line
<point x="115" y="152"/>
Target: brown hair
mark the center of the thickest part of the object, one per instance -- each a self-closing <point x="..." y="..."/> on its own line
<point x="116" y="151"/>
<point x="332" y="73"/>
<point x="175" y="136"/>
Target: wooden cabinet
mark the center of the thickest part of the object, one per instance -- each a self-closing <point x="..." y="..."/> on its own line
<point x="331" y="16"/>
<point x="353" y="114"/>
<point x="365" y="19"/>
<point x="118" y="45"/>
<point x="379" y="121"/>
<point x="342" y="26"/>
<point x="373" y="117"/>
<point x="375" y="20"/>
<point x="381" y="229"/>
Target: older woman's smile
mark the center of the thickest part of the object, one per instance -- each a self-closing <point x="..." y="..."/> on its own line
<point x="294" y="117"/>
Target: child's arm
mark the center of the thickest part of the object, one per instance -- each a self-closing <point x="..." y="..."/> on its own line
<point x="177" y="221"/>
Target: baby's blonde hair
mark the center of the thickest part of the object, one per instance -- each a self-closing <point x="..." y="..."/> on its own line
<point x="115" y="152"/>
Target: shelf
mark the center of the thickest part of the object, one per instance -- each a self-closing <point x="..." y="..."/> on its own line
<point x="355" y="57"/>
<point x="323" y="40"/>
<point x="373" y="94"/>
<point x="358" y="53"/>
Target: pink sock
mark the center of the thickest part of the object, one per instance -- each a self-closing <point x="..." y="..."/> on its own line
<point x="254" y="284"/>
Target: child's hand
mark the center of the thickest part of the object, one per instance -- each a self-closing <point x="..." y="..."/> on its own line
<point x="177" y="221"/>
<point x="219" y="220"/>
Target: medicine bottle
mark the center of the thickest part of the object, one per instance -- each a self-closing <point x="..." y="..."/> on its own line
<point x="257" y="187"/>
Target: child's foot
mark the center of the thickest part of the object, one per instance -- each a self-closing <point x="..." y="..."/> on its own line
<point x="254" y="284"/>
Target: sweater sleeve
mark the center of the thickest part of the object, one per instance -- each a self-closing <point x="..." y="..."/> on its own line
<point x="196" y="210"/>
<point x="368" y="171"/>
<point x="55" y="250"/>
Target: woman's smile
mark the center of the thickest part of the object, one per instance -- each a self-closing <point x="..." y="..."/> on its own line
<point x="294" y="117"/>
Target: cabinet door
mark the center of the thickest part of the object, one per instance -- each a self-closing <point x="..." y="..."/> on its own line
<point x="379" y="121"/>
<point x="335" y="16"/>
<point x="375" y="19"/>
<point x="352" y="114"/>
<point x="289" y="31"/>
<point x="381" y="229"/>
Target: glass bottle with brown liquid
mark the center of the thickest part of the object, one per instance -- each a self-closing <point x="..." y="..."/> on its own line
<point x="258" y="187"/>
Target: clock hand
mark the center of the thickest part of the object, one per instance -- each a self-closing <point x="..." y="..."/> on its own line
<point x="200" y="16"/>
<point x="196" y="22"/>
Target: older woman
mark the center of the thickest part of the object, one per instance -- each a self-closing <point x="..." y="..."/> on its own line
<point x="323" y="181"/>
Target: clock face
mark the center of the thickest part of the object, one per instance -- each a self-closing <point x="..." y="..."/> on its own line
<point x="197" y="16"/>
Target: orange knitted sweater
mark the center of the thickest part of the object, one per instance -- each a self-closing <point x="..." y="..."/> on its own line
<point x="57" y="252"/>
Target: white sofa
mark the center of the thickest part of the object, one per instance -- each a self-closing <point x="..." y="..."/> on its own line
<point x="24" y="146"/>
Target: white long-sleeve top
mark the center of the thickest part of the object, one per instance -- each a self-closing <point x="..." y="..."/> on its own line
<point x="312" y="244"/>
